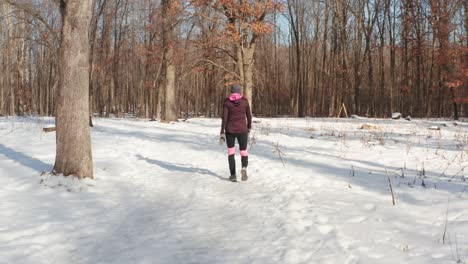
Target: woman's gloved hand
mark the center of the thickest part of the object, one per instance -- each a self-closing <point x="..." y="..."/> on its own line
<point x="222" y="139"/>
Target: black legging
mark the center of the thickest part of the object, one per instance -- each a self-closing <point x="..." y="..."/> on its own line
<point x="231" y="144"/>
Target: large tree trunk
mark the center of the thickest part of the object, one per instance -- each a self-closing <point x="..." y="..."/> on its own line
<point x="296" y="43"/>
<point x="248" y="73"/>
<point x="74" y="156"/>
<point x="240" y="62"/>
<point x="456" y="114"/>
<point x="170" y="107"/>
<point x="358" y="60"/>
<point x="21" y="89"/>
<point x="11" y="105"/>
<point x="391" y="27"/>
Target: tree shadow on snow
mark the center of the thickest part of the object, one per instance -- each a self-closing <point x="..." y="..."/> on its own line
<point x="24" y="159"/>
<point x="265" y="149"/>
<point x="180" y="167"/>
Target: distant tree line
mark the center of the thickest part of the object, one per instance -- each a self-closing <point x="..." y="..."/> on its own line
<point x="164" y="59"/>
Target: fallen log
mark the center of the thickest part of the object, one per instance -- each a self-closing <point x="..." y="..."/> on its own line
<point x="396" y="116"/>
<point x="48" y="129"/>
<point x="369" y="127"/>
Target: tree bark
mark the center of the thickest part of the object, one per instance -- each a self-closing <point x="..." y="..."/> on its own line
<point x="170" y="107"/>
<point x="11" y="105"/>
<point x="74" y="154"/>
<point x="248" y="61"/>
<point x="21" y="89"/>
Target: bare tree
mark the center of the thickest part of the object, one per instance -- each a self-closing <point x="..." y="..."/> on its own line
<point x="74" y="155"/>
<point x="169" y="10"/>
<point x="173" y="58"/>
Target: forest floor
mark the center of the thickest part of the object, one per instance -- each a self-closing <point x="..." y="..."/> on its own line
<point x="318" y="193"/>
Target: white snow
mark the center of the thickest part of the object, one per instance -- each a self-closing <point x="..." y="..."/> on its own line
<point x="161" y="194"/>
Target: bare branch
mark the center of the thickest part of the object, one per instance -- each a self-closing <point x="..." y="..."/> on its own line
<point x="30" y="10"/>
<point x="221" y="67"/>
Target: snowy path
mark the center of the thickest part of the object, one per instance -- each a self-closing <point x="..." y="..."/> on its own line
<point x="161" y="195"/>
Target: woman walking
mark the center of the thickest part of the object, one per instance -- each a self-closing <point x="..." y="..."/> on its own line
<point x="236" y="124"/>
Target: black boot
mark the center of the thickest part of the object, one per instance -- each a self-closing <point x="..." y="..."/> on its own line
<point x="233" y="178"/>
<point x="232" y="168"/>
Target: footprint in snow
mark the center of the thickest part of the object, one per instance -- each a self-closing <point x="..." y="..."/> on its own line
<point x="322" y="219"/>
<point x="357" y="220"/>
<point x="363" y="249"/>
<point x="352" y="260"/>
<point x="325" y="229"/>
<point x="438" y="256"/>
<point x="370" y="207"/>
<point x="376" y="256"/>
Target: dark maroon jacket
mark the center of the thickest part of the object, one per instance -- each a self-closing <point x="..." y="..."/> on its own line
<point x="234" y="117"/>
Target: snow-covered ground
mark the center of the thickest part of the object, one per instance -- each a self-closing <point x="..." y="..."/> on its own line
<point x="161" y="194"/>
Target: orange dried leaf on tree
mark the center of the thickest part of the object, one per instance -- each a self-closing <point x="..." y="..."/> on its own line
<point x="260" y="28"/>
<point x="461" y="100"/>
<point x="454" y="84"/>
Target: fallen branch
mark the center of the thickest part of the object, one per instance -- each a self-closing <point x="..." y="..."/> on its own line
<point x="449" y="164"/>
<point x="456" y="174"/>
<point x="280" y="153"/>
<point x="369" y="127"/>
<point x="351" y="174"/>
<point x="446" y="222"/>
<point x="342" y="108"/>
<point x="391" y="188"/>
<point x="49" y="129"/>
